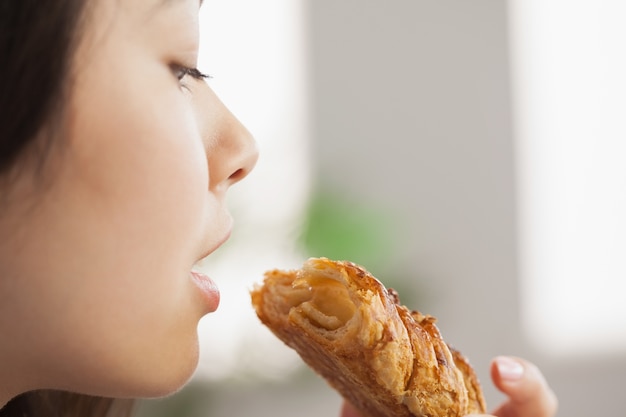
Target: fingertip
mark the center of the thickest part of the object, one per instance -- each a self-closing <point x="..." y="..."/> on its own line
<point x="525" y="386"/>
<point x="508" y="369"/>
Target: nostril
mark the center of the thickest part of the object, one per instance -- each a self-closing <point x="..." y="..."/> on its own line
<point x="237" y="175"/>
<point x="241" y="164"/>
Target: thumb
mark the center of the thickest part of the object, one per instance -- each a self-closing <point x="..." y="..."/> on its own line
<point x="528" y="392"/>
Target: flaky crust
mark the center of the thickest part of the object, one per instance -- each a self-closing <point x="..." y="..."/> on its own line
<point x="383" y="358"/>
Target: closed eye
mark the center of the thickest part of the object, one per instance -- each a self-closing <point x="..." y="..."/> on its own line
<point x="181" y="71"/>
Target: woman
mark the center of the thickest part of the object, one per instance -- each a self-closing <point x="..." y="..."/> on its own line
<point x="115" y="160"/>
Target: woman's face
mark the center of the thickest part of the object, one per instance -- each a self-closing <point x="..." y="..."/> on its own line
<point x="98" y="293"/>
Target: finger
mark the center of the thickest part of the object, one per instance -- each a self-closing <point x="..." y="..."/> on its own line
<point x="347" y="410"/>
<point x="528" y="392"/>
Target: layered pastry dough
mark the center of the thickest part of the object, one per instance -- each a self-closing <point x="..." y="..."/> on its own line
<point x="385" y="359"/>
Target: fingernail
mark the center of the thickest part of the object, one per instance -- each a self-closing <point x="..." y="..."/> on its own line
<point x="509" y="368"/>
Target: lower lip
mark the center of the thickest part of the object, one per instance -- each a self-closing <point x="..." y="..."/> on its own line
<point x="208" y="289"/>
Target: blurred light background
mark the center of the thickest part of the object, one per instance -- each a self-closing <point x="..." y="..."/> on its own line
<point x="470" y="154"/>
<point x="570" y="107"/>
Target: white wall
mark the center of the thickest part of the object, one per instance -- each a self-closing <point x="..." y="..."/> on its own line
<point x="569" y="94"/>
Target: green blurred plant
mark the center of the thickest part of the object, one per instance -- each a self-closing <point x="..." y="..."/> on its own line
<point x="341" y="226"/>
<point x="344" y="228"/>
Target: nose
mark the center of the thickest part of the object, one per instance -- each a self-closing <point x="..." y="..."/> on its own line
<point x="232" y="151"/>
<point x="235" y="157"/>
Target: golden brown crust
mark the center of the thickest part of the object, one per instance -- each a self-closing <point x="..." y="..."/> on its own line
<point x="383" y="358"/>
<point x="476" y="404"/>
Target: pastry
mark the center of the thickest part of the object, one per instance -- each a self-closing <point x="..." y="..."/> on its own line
<point x="385" y="359"/>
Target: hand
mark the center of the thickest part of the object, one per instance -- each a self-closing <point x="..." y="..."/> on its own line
<point x="528" y="392"/>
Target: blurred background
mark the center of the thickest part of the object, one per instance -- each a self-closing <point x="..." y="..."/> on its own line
<point x="468" y="153"/>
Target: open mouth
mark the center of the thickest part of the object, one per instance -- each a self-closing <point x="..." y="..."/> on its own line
<point x="209" y="290"/>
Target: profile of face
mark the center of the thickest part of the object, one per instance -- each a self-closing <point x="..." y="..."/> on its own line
<point x="99" y="294"/>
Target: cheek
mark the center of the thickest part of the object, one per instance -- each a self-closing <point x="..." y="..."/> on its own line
<point x="132" y="209"/>
<point x="149" y="203"/>
<point x="144" y="159"/>
<point x="134" y="194"/>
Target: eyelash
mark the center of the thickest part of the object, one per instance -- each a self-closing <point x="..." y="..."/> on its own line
<point x="181" y="71"/>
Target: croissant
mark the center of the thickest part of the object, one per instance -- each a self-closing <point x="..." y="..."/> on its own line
<point x="385" y="359"/>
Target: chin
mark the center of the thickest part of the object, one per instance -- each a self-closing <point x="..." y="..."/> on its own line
<point x="171" y="378"/>
<point x="157" y="384"/>
<point x="159" y="376"/>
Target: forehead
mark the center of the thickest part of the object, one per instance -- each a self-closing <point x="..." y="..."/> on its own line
<point x="140" y="12"/>
<point x="149" y="8"/>
<point x="165" y="3"/>
<point x="141" y="24"/>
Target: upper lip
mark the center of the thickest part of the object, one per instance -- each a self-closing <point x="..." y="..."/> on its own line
<point x="219" y="243"/>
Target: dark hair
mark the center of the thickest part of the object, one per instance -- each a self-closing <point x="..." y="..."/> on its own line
<point x="37" y="41"/>
<point x="48" y="403"/>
